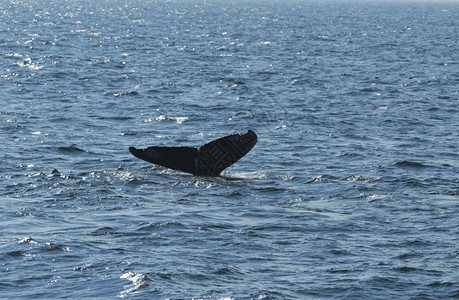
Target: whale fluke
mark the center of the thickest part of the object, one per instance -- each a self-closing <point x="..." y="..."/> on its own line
<point x="209" y="160"/>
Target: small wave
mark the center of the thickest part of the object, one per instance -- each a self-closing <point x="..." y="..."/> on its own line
<point x="116" y="118"/>
<point x="348" y="154"/>
<point x="27" y="63"/>
<point x="131" y="93"/>
<point x="321" y="178"/>
<point x="246" y="175"/>
<point x="287" y="177"/>
<point x="104" y="231"/>
<point x="16" y="253"/>
<point x="179" y="120"/>
<point x="55" y="174"/>
<point x="406" y="269"/>
<point x="138" y="281"/>
<point x="47" y="246"/>
<point x="410" y="164"/>
<point x="108" y="175"/>
<point x="150" y="226"/>
<point x="54" y="247"/>
<point x="362" y="178"/>
<point x="442" y="284"/>
<point x="27" y="240"/>
<point x="70" y="149"/>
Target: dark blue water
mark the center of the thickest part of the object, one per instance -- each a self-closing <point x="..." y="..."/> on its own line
<point x="351" y="191"/>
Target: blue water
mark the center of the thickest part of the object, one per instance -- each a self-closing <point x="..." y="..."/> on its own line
<point x="351" y="191"/>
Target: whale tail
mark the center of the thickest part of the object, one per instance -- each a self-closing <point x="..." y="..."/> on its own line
<point x="209" y="160"/>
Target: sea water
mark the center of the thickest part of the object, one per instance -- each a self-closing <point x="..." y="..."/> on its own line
<point x="351" y="191"/>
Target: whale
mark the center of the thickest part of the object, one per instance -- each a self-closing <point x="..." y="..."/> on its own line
<point x="209" y="160"/>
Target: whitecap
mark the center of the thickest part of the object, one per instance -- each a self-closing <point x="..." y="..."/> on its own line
<point x="362" y="178"/>
<point x="28" y="63"/>
<point x="179" y="120"/>
<point x="27" y="240"/>
<point x="246" y="175"/>
<point x="138" y="281"/>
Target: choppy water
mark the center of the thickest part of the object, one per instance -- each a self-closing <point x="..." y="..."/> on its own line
<point x="351" y="191"/>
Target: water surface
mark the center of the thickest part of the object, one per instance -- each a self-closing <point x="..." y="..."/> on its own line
<point x="351" y="191"/>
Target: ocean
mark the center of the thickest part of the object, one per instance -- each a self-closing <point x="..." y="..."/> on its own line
<point x="350" y="193"/>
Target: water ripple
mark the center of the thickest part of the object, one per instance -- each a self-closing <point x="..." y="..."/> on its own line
<point x="350" y="192"/>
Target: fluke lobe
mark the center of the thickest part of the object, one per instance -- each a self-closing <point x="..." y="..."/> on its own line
<point x="209" y="160"/>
